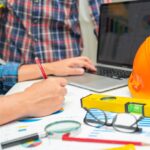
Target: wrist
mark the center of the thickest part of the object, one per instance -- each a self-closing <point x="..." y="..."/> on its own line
<point x="28" y="72"/>
<point x="18" y="105"/>
<point x="12" y="108"/>
<point x="22" y="105"/>
<point x="49" y="69"/>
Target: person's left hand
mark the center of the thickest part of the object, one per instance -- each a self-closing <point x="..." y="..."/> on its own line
<point x="70" y="66"/>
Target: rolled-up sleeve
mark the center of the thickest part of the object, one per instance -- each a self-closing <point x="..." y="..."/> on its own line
<point x="8" y="76"/>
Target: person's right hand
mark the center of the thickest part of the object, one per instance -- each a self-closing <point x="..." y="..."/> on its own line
<point x="45" y="97"/>
<point x="40" y="99"/>
<point x="69" y="66"/>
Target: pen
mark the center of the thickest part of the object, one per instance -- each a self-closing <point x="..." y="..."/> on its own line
<point x="37" y="60"/>
<point x="19" y="140"/>
<point x="66" y="137"/>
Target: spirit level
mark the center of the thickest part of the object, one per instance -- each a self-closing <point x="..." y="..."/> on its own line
<point x="117" y="104"/>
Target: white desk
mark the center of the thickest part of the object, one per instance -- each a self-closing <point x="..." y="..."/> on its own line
<point x="72" y="110"/>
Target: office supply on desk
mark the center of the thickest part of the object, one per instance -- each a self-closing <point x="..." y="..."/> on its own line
<point x="122" y="122"/>
<point x="57" y="127"/>
<point x="126" y="147"/>
<point x="19" y="140"/>
<point x="37" y="60"/>
<point x="72" y="104"/>
<point x="117" y="104"/>
<point x="68" y="137"/>
<point x="109" y="135"/>
<point x="118" y="42"/>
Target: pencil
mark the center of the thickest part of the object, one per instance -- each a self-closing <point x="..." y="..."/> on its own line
<point x="37" y="60"/>
<point x="66" y="137"/>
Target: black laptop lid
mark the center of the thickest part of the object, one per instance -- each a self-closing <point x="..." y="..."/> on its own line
<point x="123" y="27"/>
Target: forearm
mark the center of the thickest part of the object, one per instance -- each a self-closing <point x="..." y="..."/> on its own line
<point x="72" y="66"/>
<point x="11" y="108"/>
<point x="29" y="72"/>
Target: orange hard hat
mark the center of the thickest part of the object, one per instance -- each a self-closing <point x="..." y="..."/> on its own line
<point x="139" y="80"/>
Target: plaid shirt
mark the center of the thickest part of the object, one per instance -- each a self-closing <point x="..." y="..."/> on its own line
<point x="48" y="29"/>
<point x="8" y="76"/>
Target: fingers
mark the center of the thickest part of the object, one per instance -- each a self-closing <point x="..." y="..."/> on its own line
<point x="63" y="92"/>
<point x="85" y="59"/>
<point x="74" y="71"/>
<point x="45" y="97"/>
<point x="60" y="84"/>
<point x="60" y="81"/>
<point x="63" y="82"/>
<point x="84" y="64"/>
<point x="70" y="66"/>
<point x="76" y="66"/>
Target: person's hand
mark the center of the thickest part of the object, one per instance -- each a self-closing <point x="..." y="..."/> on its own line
<point x="70" y="66"/>
<point x="44" y="98"/>
<point x="40" y="99"/>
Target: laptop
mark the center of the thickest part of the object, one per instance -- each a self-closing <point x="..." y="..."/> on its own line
<point x="123" y="27"/>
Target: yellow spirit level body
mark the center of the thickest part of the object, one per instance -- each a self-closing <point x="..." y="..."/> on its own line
<point x="117" y="104"/>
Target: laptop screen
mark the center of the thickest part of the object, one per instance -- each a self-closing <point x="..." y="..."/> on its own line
<point x="123" y="27"/>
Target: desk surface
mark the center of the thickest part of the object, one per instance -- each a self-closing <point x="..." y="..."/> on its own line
<point x="72" y="110"/>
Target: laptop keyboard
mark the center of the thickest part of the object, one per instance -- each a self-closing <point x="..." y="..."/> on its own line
<point x="112" y="72"/>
